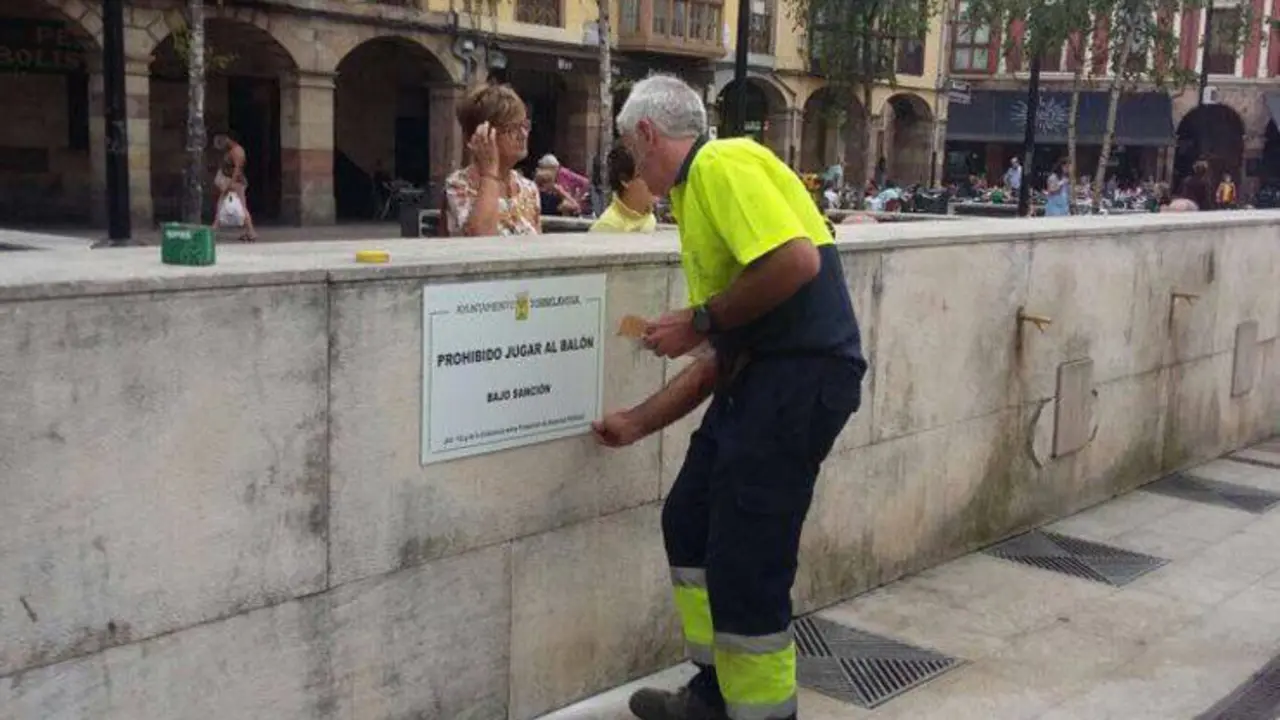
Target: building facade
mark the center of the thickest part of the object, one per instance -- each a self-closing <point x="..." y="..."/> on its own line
<point x="1160" y="133"/>
<point x="332" y="98"/>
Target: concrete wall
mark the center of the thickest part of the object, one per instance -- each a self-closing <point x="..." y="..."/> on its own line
<point x="213" y="505"/>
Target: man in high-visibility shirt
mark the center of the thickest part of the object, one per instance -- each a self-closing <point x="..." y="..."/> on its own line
<point x="768" y="293"/>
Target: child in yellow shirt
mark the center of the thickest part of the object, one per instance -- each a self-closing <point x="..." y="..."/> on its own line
<point x="632" y="207"/>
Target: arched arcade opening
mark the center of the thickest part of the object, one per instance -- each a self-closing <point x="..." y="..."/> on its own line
<point x="1213" y="133"/>
<point x="766" y="114"/>
<point x="382" y="122"/>
<point x="247" y="68"/>
<point x="908" y="139"/>
<point x="833" y="132"/>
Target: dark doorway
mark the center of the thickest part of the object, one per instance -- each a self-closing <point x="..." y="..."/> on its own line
<point x="413" y="136"/>
<point x="253" y="110"/>
<point x="1270" y="170"/>
<point x="1213" y="133"/>
<point x="544" y="96"/>
<point x="757" y="110"/>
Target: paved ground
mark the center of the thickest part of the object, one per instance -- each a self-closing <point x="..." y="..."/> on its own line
<point x="1045" y="645"/>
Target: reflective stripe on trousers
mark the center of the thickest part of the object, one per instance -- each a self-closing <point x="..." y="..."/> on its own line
<point x="757" y="675"/>
<point x="694" y="606"/>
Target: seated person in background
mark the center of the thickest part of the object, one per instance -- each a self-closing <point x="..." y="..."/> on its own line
<point x="554" y="199"/>
<point x="830" y="196"/>
<point x="881" y="200"/>
<point x="632" y="207"/>
<point x="578" y="186"/>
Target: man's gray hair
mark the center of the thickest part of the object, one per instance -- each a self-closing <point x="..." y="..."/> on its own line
<point x="674" y="108"/>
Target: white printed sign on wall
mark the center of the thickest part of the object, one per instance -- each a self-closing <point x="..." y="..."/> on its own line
<point x="509" y="363"/>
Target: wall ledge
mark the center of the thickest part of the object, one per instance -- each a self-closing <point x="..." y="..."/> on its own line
<point x="26" y="276"/>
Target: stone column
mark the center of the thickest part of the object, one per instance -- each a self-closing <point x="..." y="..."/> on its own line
<point x="778" y="136"/>
<point x="444" y="136"/>
<point x="876" y="146"/>
<point x="795" y="121"/>
<point x="306" y="148"/>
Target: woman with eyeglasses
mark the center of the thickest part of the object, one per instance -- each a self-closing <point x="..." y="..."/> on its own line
<point x="487" y="196"/>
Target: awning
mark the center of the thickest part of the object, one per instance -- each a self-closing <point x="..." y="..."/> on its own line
<point x="1273" y="106"/>
<point x="1144" y="119"/>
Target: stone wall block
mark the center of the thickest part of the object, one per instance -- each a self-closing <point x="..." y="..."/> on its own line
<point x="164" y="464"/>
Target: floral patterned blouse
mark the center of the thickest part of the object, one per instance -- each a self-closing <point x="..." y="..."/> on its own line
<point x="517" y="215"/>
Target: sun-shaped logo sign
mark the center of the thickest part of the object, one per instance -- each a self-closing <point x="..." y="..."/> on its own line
<point x="1051" y="116"/>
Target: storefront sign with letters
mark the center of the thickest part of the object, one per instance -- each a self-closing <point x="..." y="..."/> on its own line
<point x="39" y="47"/>
<point x="510" y="363"/>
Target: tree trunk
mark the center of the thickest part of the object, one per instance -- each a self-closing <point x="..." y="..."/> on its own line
<point x="193" y="199"/>
<point x="606" y="101"/>
<point x="868" y="163"/>
<point x="1113" y="102"/>
<point x="1076" y="78"/>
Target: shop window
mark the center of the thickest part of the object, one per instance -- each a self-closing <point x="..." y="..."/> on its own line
<point x="1222" y="44"/>
<point x="972" y="47"/>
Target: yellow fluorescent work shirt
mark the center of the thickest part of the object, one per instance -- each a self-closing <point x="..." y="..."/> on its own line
<point x="620" y="218"/>
<point x="734" y="202"/>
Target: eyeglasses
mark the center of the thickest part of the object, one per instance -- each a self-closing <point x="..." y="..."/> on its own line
<point x="514" y="128"/>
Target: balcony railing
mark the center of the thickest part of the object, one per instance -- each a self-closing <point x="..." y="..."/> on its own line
<point x="675" y="27"/>
<point x="539" y="12"/>
<point x="760" y="37"/>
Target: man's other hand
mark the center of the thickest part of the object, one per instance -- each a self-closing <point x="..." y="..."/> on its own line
<point x="617" y="430"/>
<point x="672" y="335"/>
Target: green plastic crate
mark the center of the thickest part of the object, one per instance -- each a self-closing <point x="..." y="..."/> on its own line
<point x="187" y="245"/>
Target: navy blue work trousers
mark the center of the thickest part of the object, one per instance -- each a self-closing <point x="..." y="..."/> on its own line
<point x="738" y="505"/>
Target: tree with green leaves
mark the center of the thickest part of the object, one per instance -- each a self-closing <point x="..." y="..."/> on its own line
<point x="854" y="44"/>
<point x="1047" y="25"/>
<point x="1141" y="49"/>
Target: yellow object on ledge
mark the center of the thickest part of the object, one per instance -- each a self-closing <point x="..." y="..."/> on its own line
<point x="373" y="256"/>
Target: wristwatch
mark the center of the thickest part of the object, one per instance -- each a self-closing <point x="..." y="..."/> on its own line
<point x="703" y="323"/>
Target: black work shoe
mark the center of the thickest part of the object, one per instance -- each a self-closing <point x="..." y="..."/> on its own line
<point x="684" y="704"/>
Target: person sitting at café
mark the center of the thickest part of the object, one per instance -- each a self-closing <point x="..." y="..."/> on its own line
<point x="632" y="207"/>
<point x="553" y="199"/>
<point x="889" y="194"/>
<point x="488" y="197"/>
<point x="578" y="186"/>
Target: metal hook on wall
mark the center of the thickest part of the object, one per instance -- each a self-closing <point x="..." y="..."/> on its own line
<point x="1040" y="321"/>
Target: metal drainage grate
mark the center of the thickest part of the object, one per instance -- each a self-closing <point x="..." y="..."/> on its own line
<point x="1214" y="492"/>
<point x="1257" y="699"/>
<point x="1079" y="558"/>
<point x="860" y="668"/>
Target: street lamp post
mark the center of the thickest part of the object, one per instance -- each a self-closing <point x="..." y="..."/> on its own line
<point x="117" y="131"/>
<point x="738" y="124"/>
